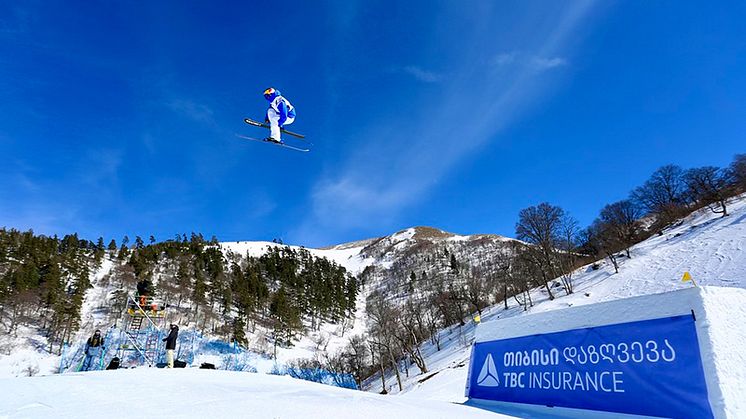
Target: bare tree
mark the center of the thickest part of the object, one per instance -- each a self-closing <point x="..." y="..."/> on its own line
<point x="503" y="276"/>
<point x="524" y="268"/>
<point x="356" y="355"/>
<point x="545" y="227"/>
<point x="383" y="322"/>
<point x="621" y="219"/>
<point x="663" y="193"/>
<point x="600" y="240"/>
<point x="476" y="290"/>
<point x="707" y="185"/>
<point x="567" y="254"/>
<point x="738" y="172"/>
<point x="409" y="335"/>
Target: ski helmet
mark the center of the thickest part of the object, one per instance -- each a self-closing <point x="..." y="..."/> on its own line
<point x="271" y="93"/>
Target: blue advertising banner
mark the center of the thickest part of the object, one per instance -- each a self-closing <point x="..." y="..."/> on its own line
<point x="650" y="367"/>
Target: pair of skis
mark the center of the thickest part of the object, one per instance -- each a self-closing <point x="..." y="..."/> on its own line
<point x="301" y="137"/>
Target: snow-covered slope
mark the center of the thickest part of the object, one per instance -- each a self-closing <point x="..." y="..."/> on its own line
<point x="347" y="256"/>
<point x="196" y="393"/>
<point x="712" y="248"/>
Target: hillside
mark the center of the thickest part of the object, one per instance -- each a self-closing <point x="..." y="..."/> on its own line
<point x="710" y="247"/>
<point x="381" y="259"/>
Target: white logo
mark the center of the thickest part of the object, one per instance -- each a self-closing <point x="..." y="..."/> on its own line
<point x="488" y="375"/>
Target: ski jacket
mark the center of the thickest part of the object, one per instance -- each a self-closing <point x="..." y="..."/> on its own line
<point x="283" y="107"/>
<point x="171" y="338"/>
<point x="94" y="342"/>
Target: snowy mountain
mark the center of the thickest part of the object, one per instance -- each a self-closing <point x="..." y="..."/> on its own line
<point x="385" y="264"/>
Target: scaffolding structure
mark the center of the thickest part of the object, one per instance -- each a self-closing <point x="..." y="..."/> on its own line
<point x="143" y="330"/>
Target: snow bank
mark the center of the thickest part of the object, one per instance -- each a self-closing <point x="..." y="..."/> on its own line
<point x="719" y="314"/>
<point x="194" y="393"/>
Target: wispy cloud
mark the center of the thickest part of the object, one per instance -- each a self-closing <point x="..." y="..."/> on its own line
<point x="422" y="75"/>
<point x="405" y="159"/>
<point x="541" y="63"/>
<point x="529" y="61"/>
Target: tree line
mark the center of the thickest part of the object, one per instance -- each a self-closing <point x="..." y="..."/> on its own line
<point x="43" y="281"/>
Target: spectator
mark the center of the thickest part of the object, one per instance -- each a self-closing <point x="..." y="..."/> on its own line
<point x="171" y="344"/>
<point x="94" y="348"/>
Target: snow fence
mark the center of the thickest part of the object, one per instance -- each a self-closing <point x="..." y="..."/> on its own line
<point x="677" y="354"/>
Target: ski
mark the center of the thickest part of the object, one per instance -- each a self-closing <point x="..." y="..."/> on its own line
<point x="303" y="150"/>
<point x="263" y="125"/>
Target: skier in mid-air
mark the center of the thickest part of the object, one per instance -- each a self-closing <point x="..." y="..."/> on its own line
<point x="279" y="114"/>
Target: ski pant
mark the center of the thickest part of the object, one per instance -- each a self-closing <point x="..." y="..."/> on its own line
<point x="87" y="363"/>
<point x="91" y="358"/>
<point x="274" y="120"/>
<point x="170" y="358"/>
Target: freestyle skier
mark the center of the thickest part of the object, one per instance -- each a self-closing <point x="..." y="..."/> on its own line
<point x="279" y="114"/>
<point x="94" y="347"/>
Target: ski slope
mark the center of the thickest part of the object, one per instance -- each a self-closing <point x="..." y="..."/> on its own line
<point x="195" y="393"/>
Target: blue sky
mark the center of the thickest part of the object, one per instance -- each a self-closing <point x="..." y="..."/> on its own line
<point x="119" y="117"/>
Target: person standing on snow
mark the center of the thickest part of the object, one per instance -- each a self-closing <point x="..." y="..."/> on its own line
<point x="171" y="344"/>
<point x="94" y="347"/>
<point x="279" y="114"/>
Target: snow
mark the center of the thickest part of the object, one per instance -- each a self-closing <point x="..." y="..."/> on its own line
<point x="612" y="312"/>
<point x="27" y="361"/>
<point x="348" y="257"/>
<point x="724" y="311"/>
<point x="193" y="392"/>
<point x="404" y="235"/>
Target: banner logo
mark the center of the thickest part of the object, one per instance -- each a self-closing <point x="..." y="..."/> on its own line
<point x="488" y="375"/>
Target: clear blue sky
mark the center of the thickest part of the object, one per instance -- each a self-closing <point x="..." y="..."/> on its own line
<point x="119" y="117"/>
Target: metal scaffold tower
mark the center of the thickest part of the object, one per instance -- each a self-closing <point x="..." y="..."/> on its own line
<point x="143" y="329"/>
